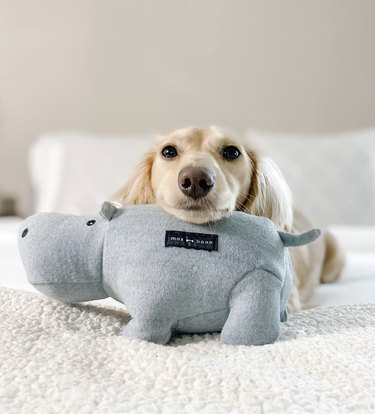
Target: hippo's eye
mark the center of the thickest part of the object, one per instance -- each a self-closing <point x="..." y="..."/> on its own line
<point x="91" y="222"/>
<point x="24" y="233"/>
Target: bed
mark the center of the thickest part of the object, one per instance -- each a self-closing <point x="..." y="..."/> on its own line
<point x="72" y="358"/>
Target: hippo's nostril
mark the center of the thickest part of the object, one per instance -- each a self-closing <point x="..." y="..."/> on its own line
<point x="24" y="232"/>
<point x="91" y="222"/>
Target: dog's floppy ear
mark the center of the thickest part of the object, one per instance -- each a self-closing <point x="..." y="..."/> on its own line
<point x="138" y="190"/>
<point x="269" y="195"/>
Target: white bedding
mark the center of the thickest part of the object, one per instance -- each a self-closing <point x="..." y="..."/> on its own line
<point x="11" y="270"/>
<point x="58" y="358"/>
<point x="356" y="286"/>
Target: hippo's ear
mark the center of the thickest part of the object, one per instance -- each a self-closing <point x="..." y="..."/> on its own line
<point x="109" y="209"/>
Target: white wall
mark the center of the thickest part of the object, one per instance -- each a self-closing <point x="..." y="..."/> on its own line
<point x="145" y="65"/>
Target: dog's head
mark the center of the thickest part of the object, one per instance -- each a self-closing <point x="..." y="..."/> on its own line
<point x="202" y="174"/>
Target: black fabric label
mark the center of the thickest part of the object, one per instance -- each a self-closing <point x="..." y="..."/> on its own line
<point x="198" y="241"/>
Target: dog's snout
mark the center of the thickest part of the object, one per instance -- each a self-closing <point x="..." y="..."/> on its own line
<point x="196" y="182"/>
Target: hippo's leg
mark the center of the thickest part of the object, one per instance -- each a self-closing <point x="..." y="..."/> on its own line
<point x="150" y="329"/>
<point x="254" y="315"/>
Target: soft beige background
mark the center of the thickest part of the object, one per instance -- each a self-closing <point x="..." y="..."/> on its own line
<point x="143" y="65"/>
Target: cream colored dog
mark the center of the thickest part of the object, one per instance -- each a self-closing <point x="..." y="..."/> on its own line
<point x="201" y="175"/>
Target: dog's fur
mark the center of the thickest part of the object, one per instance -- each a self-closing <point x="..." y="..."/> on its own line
<point x="250" y="183"/>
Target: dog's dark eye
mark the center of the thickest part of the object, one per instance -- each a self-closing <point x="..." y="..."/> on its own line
<point x="169" y="152"/>
<point x="231" y="152"/>
<point x="91" y="222"/>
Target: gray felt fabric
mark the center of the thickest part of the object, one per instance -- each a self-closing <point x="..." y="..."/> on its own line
<point x="241" y="289"/>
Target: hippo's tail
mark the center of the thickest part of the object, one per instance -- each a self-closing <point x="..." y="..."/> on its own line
<point x="290" y="239"/>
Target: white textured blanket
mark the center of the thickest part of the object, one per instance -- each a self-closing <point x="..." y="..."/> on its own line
<point x="57" y="358"/>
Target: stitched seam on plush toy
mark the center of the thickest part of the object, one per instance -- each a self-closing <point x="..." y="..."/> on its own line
<point x="104" y="247"/>
<point x="244" y="276"/>
<point x="270" y="272"/>
<point x="66" y="282"/>
<point x="238" y="281"/>
<point x="200" y="314"/>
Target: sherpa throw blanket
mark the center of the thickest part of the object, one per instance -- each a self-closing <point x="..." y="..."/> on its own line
<point x="58" y="358"/>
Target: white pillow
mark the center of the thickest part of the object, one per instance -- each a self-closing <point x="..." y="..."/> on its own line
<point x="74" y="173"/>
<point x="332" y="176"/>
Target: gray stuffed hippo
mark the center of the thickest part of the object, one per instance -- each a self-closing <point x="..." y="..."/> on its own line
<point x="232" y="276"/>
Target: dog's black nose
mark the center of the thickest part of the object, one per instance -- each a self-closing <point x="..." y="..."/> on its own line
<point x="196" y="182"/>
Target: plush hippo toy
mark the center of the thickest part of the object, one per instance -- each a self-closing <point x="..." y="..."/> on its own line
<point x="232" y="276"/>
